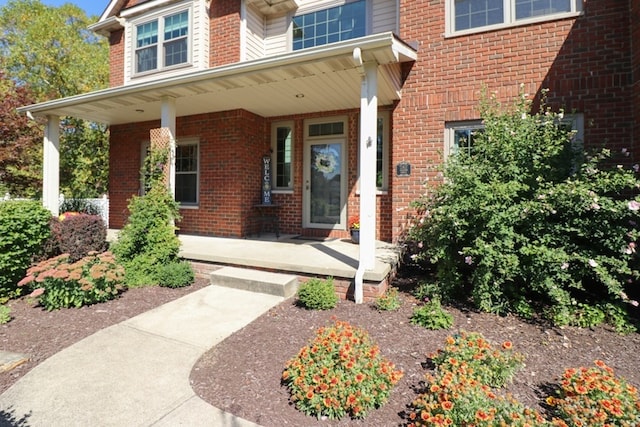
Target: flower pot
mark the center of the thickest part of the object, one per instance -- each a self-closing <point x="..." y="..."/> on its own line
<point x="355" y="236"/>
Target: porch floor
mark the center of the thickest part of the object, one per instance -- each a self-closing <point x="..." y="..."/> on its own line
<point x="288" y="253"/>
<point x="293" y="254"/>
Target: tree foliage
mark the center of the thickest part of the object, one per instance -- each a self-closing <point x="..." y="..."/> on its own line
<point x="50" y="52"/>
<point x="528" y="222"/>
<point x="20" y="147"/>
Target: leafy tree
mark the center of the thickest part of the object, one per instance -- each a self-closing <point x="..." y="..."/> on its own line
<point x="20" y="142"/>
<point x="50" y="51"/>
<point x="527" y="222"/>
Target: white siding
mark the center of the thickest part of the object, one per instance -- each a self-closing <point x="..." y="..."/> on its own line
<point x="277" y="37"/>
<point x="384" y="16"/>
<point x="255" y="36"/>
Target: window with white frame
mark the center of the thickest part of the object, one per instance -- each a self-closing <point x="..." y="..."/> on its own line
<point x="470" y="15"/>
<point x="187" y="167"/>
<point x="344" y="22"/>
<point x="282" y="149"/>
<point x="187" y="171"/>
<point x="459" y="136"/>
<point x="382" y="151"/>
<point x="162" y="42"/>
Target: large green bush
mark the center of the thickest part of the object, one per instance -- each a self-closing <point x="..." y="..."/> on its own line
<point x="24" y="227"/>
<point x="148" y="241"/>
<point x="529" y="222"/>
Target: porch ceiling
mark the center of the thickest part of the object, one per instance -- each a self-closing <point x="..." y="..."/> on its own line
<point x="317" y="79"/>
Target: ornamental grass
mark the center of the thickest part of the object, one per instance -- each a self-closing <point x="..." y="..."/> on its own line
<point x="340" y="372"/>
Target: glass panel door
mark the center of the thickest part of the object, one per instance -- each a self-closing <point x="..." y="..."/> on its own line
<point x="325" y="184"/>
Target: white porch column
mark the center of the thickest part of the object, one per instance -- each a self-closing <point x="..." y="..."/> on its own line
<point x="367" y="151"/>
<point x="168" y="120"/>
<point x="51" y="165"/>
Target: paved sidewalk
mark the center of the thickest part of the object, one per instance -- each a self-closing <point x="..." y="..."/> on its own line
<point x="136" y="373"/>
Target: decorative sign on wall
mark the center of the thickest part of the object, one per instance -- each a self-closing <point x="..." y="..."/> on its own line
<point x="266" y="180"/>
<point x="403" y="169"/>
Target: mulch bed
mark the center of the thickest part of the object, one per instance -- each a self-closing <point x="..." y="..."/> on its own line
<point x="242" y="374"/>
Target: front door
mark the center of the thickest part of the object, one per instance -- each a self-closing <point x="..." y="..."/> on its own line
<point x="325" y="184"/>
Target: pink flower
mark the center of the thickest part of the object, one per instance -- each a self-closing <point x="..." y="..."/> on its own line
<point x="25" y="281"/>
<point x="593" y="263"/>
<point x="468" y="260"/>
<point x="37" y="292"/>
<point x="633" y="205"/>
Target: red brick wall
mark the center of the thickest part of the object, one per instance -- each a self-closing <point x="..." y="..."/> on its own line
<point x="225" y="32"/>
<point x="231" y="148"/>
<point x="583" y="61"/>
<point x="116" y="58"/>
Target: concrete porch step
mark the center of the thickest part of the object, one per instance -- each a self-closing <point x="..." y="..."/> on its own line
<point x="283" y="285"/>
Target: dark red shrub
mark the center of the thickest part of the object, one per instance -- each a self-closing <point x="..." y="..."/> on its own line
<point x="81" y="234"/>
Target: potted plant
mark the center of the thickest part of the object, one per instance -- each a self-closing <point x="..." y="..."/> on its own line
<point x="354" y="228"/>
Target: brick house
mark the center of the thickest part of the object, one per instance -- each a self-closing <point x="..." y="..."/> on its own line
<point x="351" y="101"/>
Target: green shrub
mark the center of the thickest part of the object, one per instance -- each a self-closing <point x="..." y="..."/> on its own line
<point x="5" y="314"/>
<point x="60" y="283"/>
<point x="389" y="301"/>
<point x="431" y="315"/>
<point x="318" y="294"/>
<point x="340" y="372"/>
<point x="148" y="240"/>
<point x="176" y="274"/>
<point x="24" y="227"/>
<point x="528" y="222"/>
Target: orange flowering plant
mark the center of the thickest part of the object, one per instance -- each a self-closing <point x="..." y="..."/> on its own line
<point x="595" y="397"/>
<point x="354" y="223"/>
<point x="455" y="398"/>
<point x="491" y="366"/>
<point x="59" y="283"/>
<point x="340" y="372"/>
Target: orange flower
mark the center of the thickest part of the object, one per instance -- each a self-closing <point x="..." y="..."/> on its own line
<point x="310" y="394"/>
<point x="481" y="415"/>
<point x="507" y="345"/>
<point x="447" y="405"/>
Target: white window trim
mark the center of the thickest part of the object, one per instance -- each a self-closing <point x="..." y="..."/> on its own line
<point x="386" y="134"/>
<point x="328" y="5"/>
<point x="144" y="147"/>
<point x="509" y="18"/>
<point x="576" y="120"/>
<point x="449" y="132"/>
<point x="158" y="16"/>
<point x="274" y="155"/>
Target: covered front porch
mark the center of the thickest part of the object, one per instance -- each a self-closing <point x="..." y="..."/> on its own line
<point x="337" y="258"/>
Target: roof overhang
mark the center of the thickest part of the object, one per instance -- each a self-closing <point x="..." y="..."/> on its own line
<point x="324" y="78"/>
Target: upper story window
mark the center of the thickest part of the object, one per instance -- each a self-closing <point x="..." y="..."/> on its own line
<point x="476" y="15"/>
<point x="344" y="22"/>
<point x="162" y="42"/>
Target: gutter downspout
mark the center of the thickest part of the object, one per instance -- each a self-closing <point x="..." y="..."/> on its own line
<point x="367" y="152"/>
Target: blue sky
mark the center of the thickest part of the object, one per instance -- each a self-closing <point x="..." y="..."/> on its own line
<point x="92" y="7"/>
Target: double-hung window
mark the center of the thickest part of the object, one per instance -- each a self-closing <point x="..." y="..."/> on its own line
<point x="459" y="136"/>
<point x="470" y="15"/>
<point x="187" y="174"/>
<point x="162" y="42"/>
<point x="187" y="171"/>
<point x="344" y="22"/>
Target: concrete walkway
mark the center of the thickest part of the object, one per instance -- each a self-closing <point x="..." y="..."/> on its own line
<point x="136" y="373"/>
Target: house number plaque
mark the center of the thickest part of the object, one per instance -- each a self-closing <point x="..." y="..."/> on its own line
<point x="266" y="180"/>
<point x="403" y="169"/>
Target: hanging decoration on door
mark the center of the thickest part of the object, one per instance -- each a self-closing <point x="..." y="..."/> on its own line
<point x="326" y="161"/>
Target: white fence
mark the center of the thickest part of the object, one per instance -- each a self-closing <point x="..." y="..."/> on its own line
<point x="101" y="205"/>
